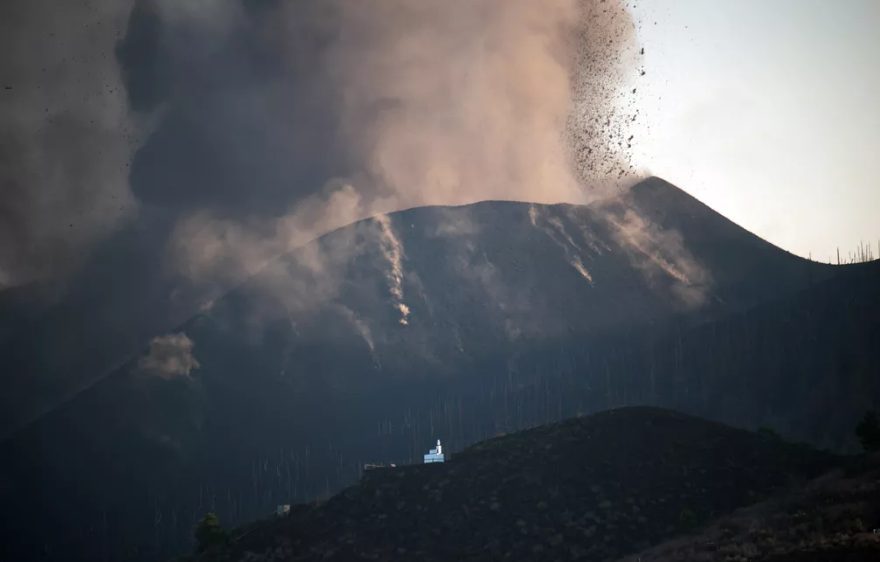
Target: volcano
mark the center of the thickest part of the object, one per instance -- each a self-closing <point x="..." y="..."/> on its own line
<point x="458" y="323"/>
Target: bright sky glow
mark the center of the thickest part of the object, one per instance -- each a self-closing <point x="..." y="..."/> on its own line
<point x="767" y="111"/>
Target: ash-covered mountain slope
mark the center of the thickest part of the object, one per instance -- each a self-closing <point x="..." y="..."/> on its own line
<point x="590" y="488"/>
<point x="50" y="352"/>
<point x="376" y="339"/>
<point x="438" y="291"/>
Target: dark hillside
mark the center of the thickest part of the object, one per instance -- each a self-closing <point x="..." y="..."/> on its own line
<point x="590" y="488"/>
<point x="807" y="365"/>
<point x="834" y="518"/>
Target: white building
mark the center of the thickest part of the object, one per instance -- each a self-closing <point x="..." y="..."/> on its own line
<point x="435" y="455"/>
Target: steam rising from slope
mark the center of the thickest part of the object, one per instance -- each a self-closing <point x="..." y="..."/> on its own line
<point x="169" y="357"/>
<point x="392" y="251"/>
<point x="555" y="230"/>
<point x="661" y="252"/>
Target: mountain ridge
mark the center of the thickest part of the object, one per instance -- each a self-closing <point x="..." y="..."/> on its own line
<point x="649" y="186"/>
<point x="644" y="194"/>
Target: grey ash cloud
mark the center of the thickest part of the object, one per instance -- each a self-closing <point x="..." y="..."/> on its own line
<point x="241" y="128"/>
<point x="65" y="135"/>
<point x="278" y="121"/>
<point x="250" y="126"/>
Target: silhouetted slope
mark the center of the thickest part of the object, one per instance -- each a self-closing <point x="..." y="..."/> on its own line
<point x="833" y="518"/>
<point x="515" y="315"/>
<point x="590" y="488"/>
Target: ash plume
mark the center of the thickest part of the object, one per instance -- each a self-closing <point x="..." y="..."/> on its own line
<point x="371" y="108"/>
<point x="273" y="122"/>
<point x="66" y="136"/>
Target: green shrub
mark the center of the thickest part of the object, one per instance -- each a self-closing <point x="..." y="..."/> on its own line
<point x="209" y="533"/>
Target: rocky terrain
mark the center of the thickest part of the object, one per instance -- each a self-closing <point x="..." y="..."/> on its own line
<point x="835" y="517"/>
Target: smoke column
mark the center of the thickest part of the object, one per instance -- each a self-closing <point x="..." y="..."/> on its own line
<point x="272" y="122"/>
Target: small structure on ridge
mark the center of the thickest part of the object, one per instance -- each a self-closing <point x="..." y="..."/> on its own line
<point x="435" y="454"/>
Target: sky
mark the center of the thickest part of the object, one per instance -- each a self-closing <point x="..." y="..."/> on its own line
<point x="768" y="113"/>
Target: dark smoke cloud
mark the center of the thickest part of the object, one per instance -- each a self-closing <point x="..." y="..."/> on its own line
<point x="278" y="121"/>
<point x="263" y="114"/>
<point x="242" y="128"/>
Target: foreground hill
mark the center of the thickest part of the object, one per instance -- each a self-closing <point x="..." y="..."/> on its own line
<point x="458" y="323"/>
<point x="833" y="518"/>
<point x="590" y="488"/>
